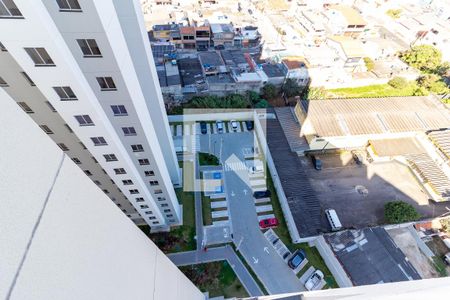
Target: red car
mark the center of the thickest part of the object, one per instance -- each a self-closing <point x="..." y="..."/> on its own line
<point x="268" y="223"/>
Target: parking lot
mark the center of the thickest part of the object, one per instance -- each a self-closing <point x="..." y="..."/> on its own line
<point x="358" y="192"/>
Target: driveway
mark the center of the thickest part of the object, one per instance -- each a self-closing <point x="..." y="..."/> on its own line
<point x="271" y="270"/>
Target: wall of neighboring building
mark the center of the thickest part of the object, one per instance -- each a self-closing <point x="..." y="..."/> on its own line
<point x="62" y="237"/>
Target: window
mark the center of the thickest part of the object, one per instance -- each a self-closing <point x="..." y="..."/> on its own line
<point x="63" y="147"/>
<point x="151" y="218"/>
<point x="40" y="57"/>
<point x="158" y="191"/>
<point x="25" y="107"/>
<point x="143" y="161"/>
<point x="65" y="93"/>
<point x="106" y="192"/>
<point x="155" y="222"/>
<point x="99" y="141"/>
<point x="52" y="108"/>
<point x="3" y="48"/>
<point x="134" y="191"/>
<point x="94" y="159"/>
<point x="161" y="199"/>
<point x="167" y="210"/>
<point x="149" y="212"/>
<point x="164" y="205"/>
<point x="137" y="148"/>
<point x="169" y="215"/>
<point x="110" y="157"/>
<point x="68" y="5"/>
<point x="89" y="48"/>
<point x="127" y="182"/>
<point x="46" y="129"/>
<point x="119" y="171"/>
<point x="76" y="160"/>
<point x="84" y="120"/>
<point x="149" y="173"/>
<point x="8" y="9"/>
<point x="97" y="182"/>
<point x="128" y="131"/>
<point x="144" y="206"/>
<point x="139" y="199"/>
<point x="119" y="110"/>
<point x="83" y="146"/>
<point x="88" y="173"/>
<point x="25" y="75"/>
<point x="3" y="82"/>
<point x="106" y="83"/>
<point x="154" y="182"/>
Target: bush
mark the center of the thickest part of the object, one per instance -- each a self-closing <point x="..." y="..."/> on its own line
<point x="439" y="87"/>
<point x="398" y="82"/>
<point x="316" y="93"/>
<point x="269" y="91"/>
<point x="291" y="88"/>
<point x="394" y="13"/>
<point x="399" y="212"/>
<point x="253" y="97"/>
<point x="370" y="64"/>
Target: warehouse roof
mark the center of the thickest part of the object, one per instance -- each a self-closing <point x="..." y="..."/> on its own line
<point x="365" y="116"/>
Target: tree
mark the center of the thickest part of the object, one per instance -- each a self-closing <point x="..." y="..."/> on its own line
<point x="370" y="64"/>
<point x="291" y="88"/>
<point x="400" y="212"/>
<point x="262" y="104"/>
<point x="420" y="91"/>
<point x="316" y="93"/>
<point x="398" y="82"/>
<point x="423" y="57"/>
<point x="253" y="97"/>
<point x="269" y="91"/>
<point x="394" y="13"/>
<point x="427" y="80"/>
<point x="433" y="83"/>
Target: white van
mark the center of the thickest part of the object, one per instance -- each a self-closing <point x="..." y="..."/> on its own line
<point x="333" y="219"/>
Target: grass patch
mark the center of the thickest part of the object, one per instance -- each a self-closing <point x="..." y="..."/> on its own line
<point x="180" y="238"/>
<point x="376" y="90"/>
<point x="440" y="266"/>
<point x="217" y="278"/>
<point x="206" y="159"/>
<point x="206" y="210"/>
<point x="312" y="254"/>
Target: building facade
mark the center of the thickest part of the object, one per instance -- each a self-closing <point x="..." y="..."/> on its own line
<point x="90" y="61"/>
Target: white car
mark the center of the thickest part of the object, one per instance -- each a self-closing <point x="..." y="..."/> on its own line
<point x="219" y="125"/>
<point x="234" y="125"/>
<point x="314" y="280"/>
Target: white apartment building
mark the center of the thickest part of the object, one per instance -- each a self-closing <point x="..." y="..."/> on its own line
<point x="91" y="62"/>
<point x="62" y="237"/>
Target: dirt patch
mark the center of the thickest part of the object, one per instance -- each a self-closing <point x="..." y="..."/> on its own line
<point x="406" y="242"/>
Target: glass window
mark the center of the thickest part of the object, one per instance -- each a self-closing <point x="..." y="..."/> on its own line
<point x="99" y="141"/>
<point x="84" y="120"/>
<point x="40" y="57"/>
<point x="137" y="148"/>
<point x="3" y="82"/>
<point x="106" y="83"/>
<point x="119" y="110"/>
<point x="110" y="157"/>
<point x="68" y="5"/>
<point x="65" y="93"/>
<point x="46" y="129"/>
<point x="128" y="131"/>
<point x="8" y="9"/>
<point x="89" y="48"/>
<point x="25" y="107"/>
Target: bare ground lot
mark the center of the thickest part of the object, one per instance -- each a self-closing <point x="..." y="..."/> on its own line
<point x="358" y="193"/>
<point x="406" y="242"/>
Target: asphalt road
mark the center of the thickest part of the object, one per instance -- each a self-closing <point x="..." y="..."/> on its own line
<point x="271" y="270"/>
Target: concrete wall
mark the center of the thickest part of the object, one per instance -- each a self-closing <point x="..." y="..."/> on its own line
<point x="62" y="238"/>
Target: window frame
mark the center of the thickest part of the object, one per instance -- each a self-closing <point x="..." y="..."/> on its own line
<point x="46" y="129"/>
<point x="65" y="93"/>
<point x="25" y="107"/>
<point x="69" y="9"/>
<point x="129" y="131"/>
<point x="87" y="44"/>
<point x="119" y="110"/>
<point x="99" y="141"/>
<point x="9" y="9"/>
<point x="40" y="52"/>
<point x="3" y="83"/>
<point x="86" y="122"/>
<point x="137" y="148"/>
<point x="110" y="157"/>
<point x="108" y="82"/>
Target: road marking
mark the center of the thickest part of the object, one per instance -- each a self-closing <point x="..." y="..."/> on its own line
<point x="245" y="191"/>
<point x="266" y="249"/>
<point x="233" y="194"/>
<point x="255" y="260"/>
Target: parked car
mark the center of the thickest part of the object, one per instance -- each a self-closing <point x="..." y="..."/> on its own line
<point x="249" y="125"/>
<point x="219" y="125"/>
<point x="314" y="280"/>
<point x="268" y="223"/>
<point x="261" y="194"/>
<point x="296" y="259"/>
<point x="234" y="125"/>
<point x="316" y="162"/>
<point x="203" y="128"/>
<point x="358" y="157"/>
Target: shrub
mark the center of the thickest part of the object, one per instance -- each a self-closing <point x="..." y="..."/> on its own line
<point x="370" y="64"/>
<point x="269" y="91"/>
<point x="423" y="57"/>
<point x="291" y="88"/>
<point x="400" y="212"/>
<point x="394" y="13"/>
<point x="262" y="104"/>
<point x="398" y="82"/>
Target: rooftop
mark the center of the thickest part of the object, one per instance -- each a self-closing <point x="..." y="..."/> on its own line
<point x="350" y="14"/>
<point x="187" y="30"/>
<point x="351" y="47"/>
<point x="273" y="70"/>
<point x="190" y="70"/>
<point x="294" y="62"/>
<point x="365" y="116"/>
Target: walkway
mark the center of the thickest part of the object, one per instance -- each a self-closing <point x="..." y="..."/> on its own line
<point x="291" y="129"/>
<point x="216" y="254"/>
